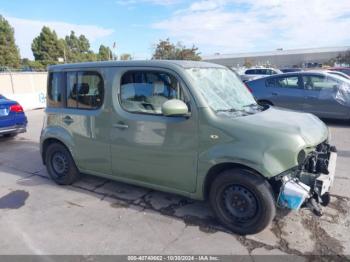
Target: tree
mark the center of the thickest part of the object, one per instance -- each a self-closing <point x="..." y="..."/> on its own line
<point x="29" y="65"/>
<point x="167" y="50"/>
<point x="104" y="53"/>
<point x="78" y="49"/>
<point x="47" y="48"/>
<point x="247" y="63"/>
<point x="125" y="57"/>
<point x="164" y="50"/>
<point x="9" y="53"/>
<point x="184" y="53"/>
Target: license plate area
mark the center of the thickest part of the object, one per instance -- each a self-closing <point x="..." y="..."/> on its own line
<point x="4" y="112"/>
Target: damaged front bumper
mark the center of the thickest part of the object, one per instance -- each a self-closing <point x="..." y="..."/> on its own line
<point x="310" y="182"/>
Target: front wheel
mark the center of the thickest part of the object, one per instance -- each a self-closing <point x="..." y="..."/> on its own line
<point x="60" y="165"/>
<point x="242" y="201"/>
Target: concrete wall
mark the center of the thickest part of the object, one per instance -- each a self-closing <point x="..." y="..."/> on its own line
<point x="27" y="88"/>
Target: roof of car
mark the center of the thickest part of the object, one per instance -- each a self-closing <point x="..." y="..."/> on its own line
<point x="339" y="67"/>
<point x="313" y="72"/>
<point x="254" y="68"/>
<point x="137" y="63"/>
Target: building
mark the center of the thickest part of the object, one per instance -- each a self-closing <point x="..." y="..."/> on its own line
<point x="279" y="58"/>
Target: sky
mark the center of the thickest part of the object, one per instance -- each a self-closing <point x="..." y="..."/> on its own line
<point x="214" y="26"/>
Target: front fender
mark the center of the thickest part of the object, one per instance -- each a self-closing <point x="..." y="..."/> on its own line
<point x="265" y="158"/>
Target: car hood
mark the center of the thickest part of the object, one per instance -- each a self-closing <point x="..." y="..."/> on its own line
<point x="309" y="127"/>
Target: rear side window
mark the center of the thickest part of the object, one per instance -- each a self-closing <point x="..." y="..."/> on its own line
<point x="85" y="90"/>
<point x="146" y="91"/>
<point x="54" y="91"/>
<point x="288" y="82"/>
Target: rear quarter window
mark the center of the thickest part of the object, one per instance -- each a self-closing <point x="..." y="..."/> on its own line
<point x="55" y="90"/>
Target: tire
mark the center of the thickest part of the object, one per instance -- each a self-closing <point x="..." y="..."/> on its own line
<point x="242" y="201"/>
<point x="10" y="135"/>
<point x="60" y="165"/>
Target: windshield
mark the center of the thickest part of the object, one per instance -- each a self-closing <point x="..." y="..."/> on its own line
<point x="222" y="89"/>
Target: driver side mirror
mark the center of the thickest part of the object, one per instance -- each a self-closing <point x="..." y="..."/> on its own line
<point x="175" y="107"/>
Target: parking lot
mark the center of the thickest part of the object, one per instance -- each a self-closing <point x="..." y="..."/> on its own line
<point x="98" y="216"/>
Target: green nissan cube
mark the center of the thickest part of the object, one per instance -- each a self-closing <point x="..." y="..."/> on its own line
<point x="189" y="128"/>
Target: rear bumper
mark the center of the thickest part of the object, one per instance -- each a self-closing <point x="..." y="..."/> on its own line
<point x="13" y="129"/>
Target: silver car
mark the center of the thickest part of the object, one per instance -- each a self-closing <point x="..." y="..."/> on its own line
<point x="320" y="93"/>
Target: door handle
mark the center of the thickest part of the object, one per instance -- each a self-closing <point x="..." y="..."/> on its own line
<point x="120" y="126"/>
<point x="274" y="94"/>
<point x="68" y="120"/>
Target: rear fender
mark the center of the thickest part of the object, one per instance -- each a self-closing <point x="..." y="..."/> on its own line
<point x="56" y="133"/>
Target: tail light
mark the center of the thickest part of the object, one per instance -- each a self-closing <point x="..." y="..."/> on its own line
<point x="16" y="108"/>
<point x="250" y="90"/>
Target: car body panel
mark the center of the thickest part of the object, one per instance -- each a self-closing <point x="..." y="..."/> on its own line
<point x="175" y="154"/>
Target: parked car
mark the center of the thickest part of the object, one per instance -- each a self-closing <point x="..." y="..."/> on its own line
<point x="185" y="127"/>
<point x="290" y="70"/>
<point x="320" y="93"/>
<point x="12" y="118"/>
<point x="255" y="73"/>
<point x="345" y="70"/>
<point x="338" y="73"/>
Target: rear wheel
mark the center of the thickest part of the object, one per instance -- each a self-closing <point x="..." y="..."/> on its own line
<point x="242" y="201"/>
<point x="60" y="165"/>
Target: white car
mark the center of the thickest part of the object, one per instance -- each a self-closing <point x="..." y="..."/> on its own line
<point x="254" y="73"/>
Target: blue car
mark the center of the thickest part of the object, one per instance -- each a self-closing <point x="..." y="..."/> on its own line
<point x="12" y="118"/>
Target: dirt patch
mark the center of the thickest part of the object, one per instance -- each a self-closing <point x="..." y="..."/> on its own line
<point x="208" y="225"/>
<point x="120" y="205"/>
<point x="324" y="243"/>
<point x="340" y="204"/>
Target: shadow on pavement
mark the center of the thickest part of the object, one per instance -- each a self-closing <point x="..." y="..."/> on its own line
<point x="22" y="155"/>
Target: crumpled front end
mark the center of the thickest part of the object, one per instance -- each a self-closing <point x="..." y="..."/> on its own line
<point x="310" y="182"/>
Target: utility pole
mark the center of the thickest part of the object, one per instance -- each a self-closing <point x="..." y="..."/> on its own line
<point x="114" y="47"/>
